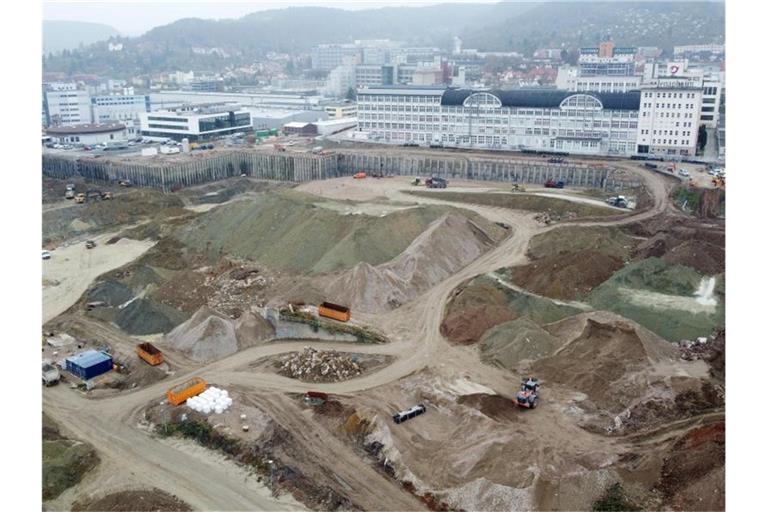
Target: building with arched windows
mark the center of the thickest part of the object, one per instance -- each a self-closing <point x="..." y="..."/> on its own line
<point x="536" y="119"/>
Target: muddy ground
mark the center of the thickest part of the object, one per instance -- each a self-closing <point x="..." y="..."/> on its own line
<point x="150" y="500"/>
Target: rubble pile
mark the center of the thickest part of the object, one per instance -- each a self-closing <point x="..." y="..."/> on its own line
<point x="315" y="365"/>
<point x="236" y="291"/>
<point x="549" y="216"/>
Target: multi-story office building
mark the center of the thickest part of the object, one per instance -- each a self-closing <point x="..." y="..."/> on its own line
<point x="202" y="124"/>
<point x="374" y="75"/>
<point x="709" y="80"/>
<point x="668" y="123"/>
<point x="568" y="78"/>
<point x="123" y="108"/>
<point x="67" y="107"/>
<point x="342" y="110"/>
<point x="543" y="119"/>
<point x="607" y="60"/>
<point x="329" y="56"/>
<point x="340" y="81"/>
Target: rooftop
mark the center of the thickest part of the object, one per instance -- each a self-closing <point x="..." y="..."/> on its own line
<point x="545" y="98"/>
<point x="89" y="358"/>
<point x="85" y="128"/>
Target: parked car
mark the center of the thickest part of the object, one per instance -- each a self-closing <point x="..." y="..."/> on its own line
<point x="46" y="255"/>
<point x="683" y="172"/>
<point x="90" y="244"/>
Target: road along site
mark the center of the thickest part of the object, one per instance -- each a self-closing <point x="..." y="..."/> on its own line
<point x="361" y="343"/>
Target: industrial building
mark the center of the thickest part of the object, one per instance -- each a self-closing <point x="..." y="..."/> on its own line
<point x="196" y="125"/>
<point x="87" y="133"/>
<point x="338" y="111"/>
<point x="300" y="129"/>
<point x="89" y="364"/>
<point x="540" y="119"/>
<point x="66" y="106"/>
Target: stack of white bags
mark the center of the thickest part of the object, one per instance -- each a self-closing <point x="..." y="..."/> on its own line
<point x="211" y="400"/>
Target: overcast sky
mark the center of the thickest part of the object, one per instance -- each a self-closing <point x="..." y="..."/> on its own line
<point x="136" y="17"/>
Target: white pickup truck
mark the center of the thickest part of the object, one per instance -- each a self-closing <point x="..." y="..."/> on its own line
<point x="51" y="374"/>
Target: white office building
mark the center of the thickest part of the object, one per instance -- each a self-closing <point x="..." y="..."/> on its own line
<point x="711" y="81"/>
<point x="202" y="124"/>
<point x="87" y="134"/>
<point x="540" y="119"/>
<point x="569" y="79"/>
<point x="340" y="81"/>
<point x="120" y="108"/>
<point x="67" y="107"/>
<point x="669" y="117"/>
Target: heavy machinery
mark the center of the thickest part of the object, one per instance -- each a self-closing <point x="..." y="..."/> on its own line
<point x="528" y="396"/>
<point x="359" y="175"/>
<point x="80" y="198"/>
<point x="106" y="195"/>
<point x="416" y="182"/>
<point x="90" y="244"/>
<point x="618" y="201"/>
<point x="718" y="181"/>
<point x="408" y="414"/>
<point x="518" y="188"/>
<point x="51" y="374"/>
<point x="436" y="182"/>
<point x="554" y="184"/>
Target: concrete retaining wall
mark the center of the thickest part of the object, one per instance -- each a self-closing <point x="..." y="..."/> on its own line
<point x="300" y="167"/>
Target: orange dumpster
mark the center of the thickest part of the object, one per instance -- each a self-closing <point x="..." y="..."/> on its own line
<point x="149" y="353"/>
<point x="179" y="394"/>
<point x="330" y="310"/>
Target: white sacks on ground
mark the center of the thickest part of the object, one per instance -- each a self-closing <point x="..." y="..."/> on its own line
<point x="211" y="400"/>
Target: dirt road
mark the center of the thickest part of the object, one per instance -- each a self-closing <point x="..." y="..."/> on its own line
<point x="210" y="483"/>
<point x="72" y="268"/>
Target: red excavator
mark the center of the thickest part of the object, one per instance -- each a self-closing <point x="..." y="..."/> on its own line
<point x="528" y="396"/>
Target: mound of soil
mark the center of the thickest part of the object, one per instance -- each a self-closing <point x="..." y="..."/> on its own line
<point x="610" y="241"/>
<point x="206" y="336"/>
<point x="113" y="293"/>
<point x="250" y="329"/>
<point x="696" y="458"/>
<point x="145" y="316"/>
<point x="447" y="245"/>
<point x="601" y="360"/>
<point x="705" y="257"/>
<point x="65" y="461"/>
<point x="567" y="276"/>
<point x="468" y="325"/>
<point x="657" y="411"/>
<point x="186" y="291"/>
<point x="133" y="501"/>
<point x="507" y="344"/>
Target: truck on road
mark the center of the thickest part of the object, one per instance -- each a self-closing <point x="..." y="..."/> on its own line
<point x="554" y="184"/>
<point x="436" y="182"/>
<point x="51" y="375"/>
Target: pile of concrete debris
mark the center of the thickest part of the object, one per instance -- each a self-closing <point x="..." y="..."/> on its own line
<point x="550" y="216"/>
<point x="237" y="290"/>
<point x="313" y="365"/>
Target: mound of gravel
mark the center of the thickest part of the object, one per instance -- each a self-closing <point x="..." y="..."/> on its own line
<point x="206" y="336"/>
<point x="313" y="365"/>
<point x="145" y="316"/>
<point x="507" y="344"/>
<point x="448" y="244"/>
<point x="113" y="293"/>
<point x="251" y="329"/>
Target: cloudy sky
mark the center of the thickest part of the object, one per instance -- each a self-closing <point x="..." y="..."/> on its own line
<point x="138" y="16"/>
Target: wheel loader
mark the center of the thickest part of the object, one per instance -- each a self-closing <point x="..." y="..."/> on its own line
<point x="528" y="396"/>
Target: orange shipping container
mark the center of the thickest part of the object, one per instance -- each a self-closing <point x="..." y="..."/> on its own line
<point x="149" y="353"/>
<point x="179" y="394"/>
<point x="330" y="310"/>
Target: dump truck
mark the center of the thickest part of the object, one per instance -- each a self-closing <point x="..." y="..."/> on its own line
<point x="436" y="182"/>
<point x="80" y="198"/>
<point x="106" y="195"/>
<point x="528" y="396"/>
<point x="149" y="353"/>
<point x="179" y="394"/>
<point x="518" y="188"/>
<point x="407" y="414"/>
<point x="69" y="194"/>
<point x="335" y="311"/>
<point x="554" y="184"/>
<point x="51" y="375"/>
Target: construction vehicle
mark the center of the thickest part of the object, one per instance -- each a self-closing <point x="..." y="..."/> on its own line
<point x="315" y="398"/>
<point x="90" y="244"/>
<point x="618" y="201"/>
<point x="69" y="194"/>
<point x="51" y="374"/>
<point x="407" y="414"/>
<point x="149" y="353"/>
<point x="718" y="181"/>
<point x="528" y="396"/>
<point x="554" y="184"/>
<point x="335" y="311"/>
<point x="93" y="194"/>
<point x="416" y="182"/>
<point x="436" y="182"/>
<point x="106" y="195"/>
<point x="651" y="166"/>
<point x="80" y="198"/>
<point x="359" y="175"/>
<point x="518" y="188"/>
<point x="124" y="182"/>
<point x="179" y="394"/>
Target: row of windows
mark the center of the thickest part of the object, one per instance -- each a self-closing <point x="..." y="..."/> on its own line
<point x="168" y="126"/>
<point x="168" y="119"/>
<point x="688" y="95"/>
<point x="407" y="127"/>
<point x="498" y="120"/>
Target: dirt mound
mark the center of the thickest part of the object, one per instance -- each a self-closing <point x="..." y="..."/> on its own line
<point x="601" y="360"/>
<point x="712" y="351"/>
<point x="145" y="316"/>
<point x="469" y="325"/>
<point x="447" y="245"/>
<point x="705" y="257"/>
<point x="287" y="231"/>
<point x="313" y="365"/>
<point x="134" y="501"/>
<point x="113" y="293"/>
<point x="187" y="290"/>
<point x="507" y="344"/>
<point x="567" y="276"/>
<point x="495" y="407"/>
<point x="252" y="329"/>
<point x="696" y="458"/>
<point x="206" y="336"/>
<point x="65" y="461"/>
<point x="574" y="239"/>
